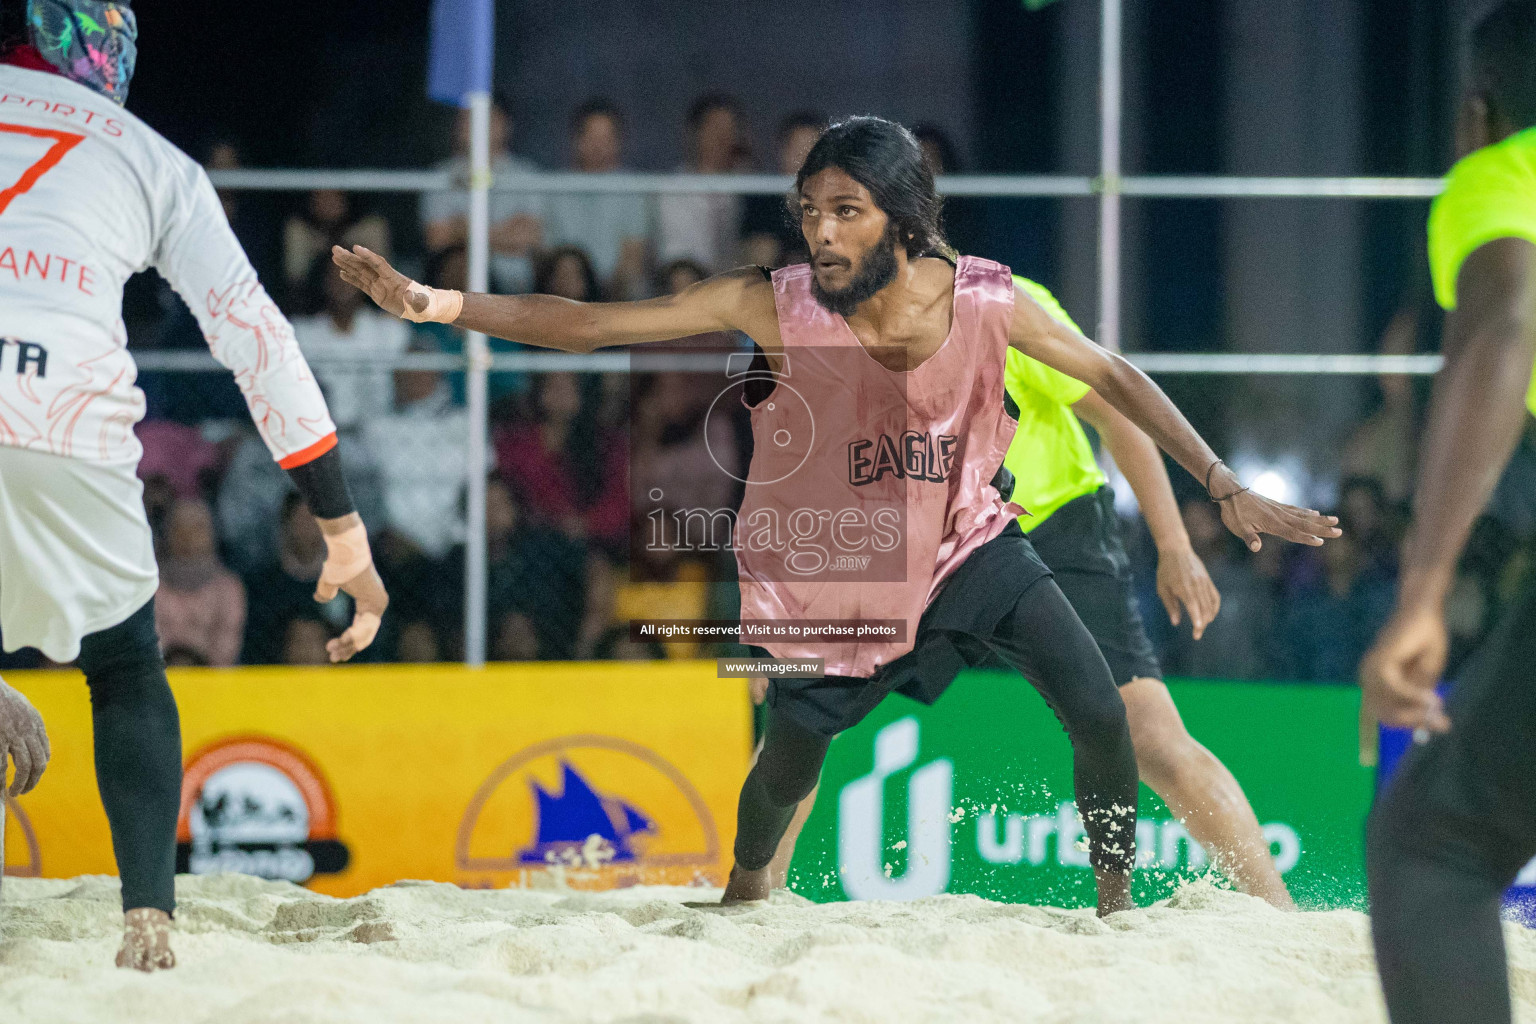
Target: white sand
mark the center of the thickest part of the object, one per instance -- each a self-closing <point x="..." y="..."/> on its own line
<point x="254" y="951"/>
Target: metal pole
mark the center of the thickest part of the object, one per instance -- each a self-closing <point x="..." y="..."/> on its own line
<point x="479" y="362"/>
<point x="1109" y="176"/>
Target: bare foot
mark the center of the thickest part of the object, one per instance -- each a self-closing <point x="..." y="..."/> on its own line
<point x="746" y="887"/>
<point x="1114" y="892"/>
<point x="146" y="941"/>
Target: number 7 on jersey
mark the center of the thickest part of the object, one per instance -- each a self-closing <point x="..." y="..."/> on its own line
<point x="62" y="142"/>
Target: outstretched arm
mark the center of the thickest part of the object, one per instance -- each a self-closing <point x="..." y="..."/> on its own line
<point x="200" y="257"/>
<point x="1041" y="336"/>
<point x="1181" y="576"/>
<point x="1475" y="420"/>
<point x="738" y="300"/>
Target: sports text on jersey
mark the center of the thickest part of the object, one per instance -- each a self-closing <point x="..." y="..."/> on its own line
<point x="12" y="100"/>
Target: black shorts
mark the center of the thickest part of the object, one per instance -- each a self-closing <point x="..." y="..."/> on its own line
<point x="950" y="638"/>
<point x="1082" y="545"/>
<point x="1468" y="797"/>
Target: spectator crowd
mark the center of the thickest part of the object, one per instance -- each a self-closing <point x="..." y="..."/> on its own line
<point x="239" y="554"/>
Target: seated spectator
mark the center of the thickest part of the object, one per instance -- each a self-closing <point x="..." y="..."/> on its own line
<point x="1238" y="644"/>
<point x="613" y="228"/>
<point x="677" y="275"/>
<point x="200" y="605"/>
<point x="419" y="447"/>
<point x="535" y="582"/>
<point x="702" y="226"/>
<point x="514" y="638"/>
<point x="573" y="476"/>
<point x="303" y="640"/>
<point x="418" y="644"/>
<point x="176" y="453"/>
<point x="683" y="457"/>
<point x="516" y="227"/>
<point x="772" y="226"/>
<point x="566" y="272"/>
<point x="344" y="343"/>
<point x="1371" y="520"/>
<point x="284" y="589"/>
<point x="1329" y="625"/>
<point x="328" y="218"/>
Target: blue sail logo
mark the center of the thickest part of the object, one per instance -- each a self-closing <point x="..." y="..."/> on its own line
<point x="570" y="819"/>
<point x="602" y="810"/>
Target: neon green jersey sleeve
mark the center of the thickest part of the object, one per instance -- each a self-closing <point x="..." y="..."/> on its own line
<point x="1050" y="457"/>
<point x="1489" y="194"/>
<point x="1033" y="374"/>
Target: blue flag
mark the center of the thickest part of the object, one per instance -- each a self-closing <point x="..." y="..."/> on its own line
<point x="459" y="62"/>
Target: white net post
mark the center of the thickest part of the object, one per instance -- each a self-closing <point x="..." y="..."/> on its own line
<point x="475" y="382"/>
<point x="1109" y="176"/>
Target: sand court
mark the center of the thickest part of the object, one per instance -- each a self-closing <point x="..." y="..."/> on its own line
<point x="256" y="951"/>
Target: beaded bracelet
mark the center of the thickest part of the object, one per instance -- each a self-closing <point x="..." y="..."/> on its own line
<point x="1227" y="497"/>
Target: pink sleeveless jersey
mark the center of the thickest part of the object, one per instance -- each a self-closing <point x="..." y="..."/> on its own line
<point x="869" y="487"/>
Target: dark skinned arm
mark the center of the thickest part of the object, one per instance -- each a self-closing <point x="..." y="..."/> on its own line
<point x="1181" y="576"/>
<point x="737" y="300"/>
<point x="1475" y="419"/>
<point x="1041" y="336"/>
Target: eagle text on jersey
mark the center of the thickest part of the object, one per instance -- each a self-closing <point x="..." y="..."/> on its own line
<point x="912" y="456"/>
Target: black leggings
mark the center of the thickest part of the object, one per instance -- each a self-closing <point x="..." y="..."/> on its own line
<point x="138" y="755"/>
<point x="1043" y="639"/>
<point x="1450" y="833"/>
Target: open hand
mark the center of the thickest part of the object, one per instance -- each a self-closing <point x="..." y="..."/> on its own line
<point x="24" y="739"/>
<point x="1399" y="673"/>
<point x="371" y="273"/>
<point x="369" y="601"/>
<point x="1181" y="578"/>
<point x="1248" y="514"/>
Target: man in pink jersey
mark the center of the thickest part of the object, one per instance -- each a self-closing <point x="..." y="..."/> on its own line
<point x="89" y="195"/>
<point x="888" y="355"/>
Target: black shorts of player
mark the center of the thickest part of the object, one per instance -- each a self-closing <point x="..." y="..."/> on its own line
<point x="952" y="635"/>
<point x="1082" y="545"/>
<point x="1451" y="831"/>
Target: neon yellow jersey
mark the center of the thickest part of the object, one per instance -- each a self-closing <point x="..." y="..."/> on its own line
<point x="1050" y="457"/>
<point x="1489" y="194"/>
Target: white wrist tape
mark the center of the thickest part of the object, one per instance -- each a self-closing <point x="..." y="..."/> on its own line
<point x="347" y="555"/>
<point x="443" y="304"/>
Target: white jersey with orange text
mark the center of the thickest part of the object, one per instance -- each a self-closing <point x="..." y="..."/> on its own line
<point x="90" y="195"/>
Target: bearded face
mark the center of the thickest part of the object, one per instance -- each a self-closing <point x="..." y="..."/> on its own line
<point x="842" y="283"/>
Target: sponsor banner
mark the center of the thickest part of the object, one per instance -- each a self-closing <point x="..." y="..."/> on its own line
<point x="974" y="795"/>
<point x="348" y="778"/>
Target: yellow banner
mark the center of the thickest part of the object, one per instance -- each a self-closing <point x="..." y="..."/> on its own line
<point x="349" y="778"/>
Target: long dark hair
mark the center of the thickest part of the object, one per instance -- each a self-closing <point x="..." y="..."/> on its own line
<point x="883" y="156"/>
